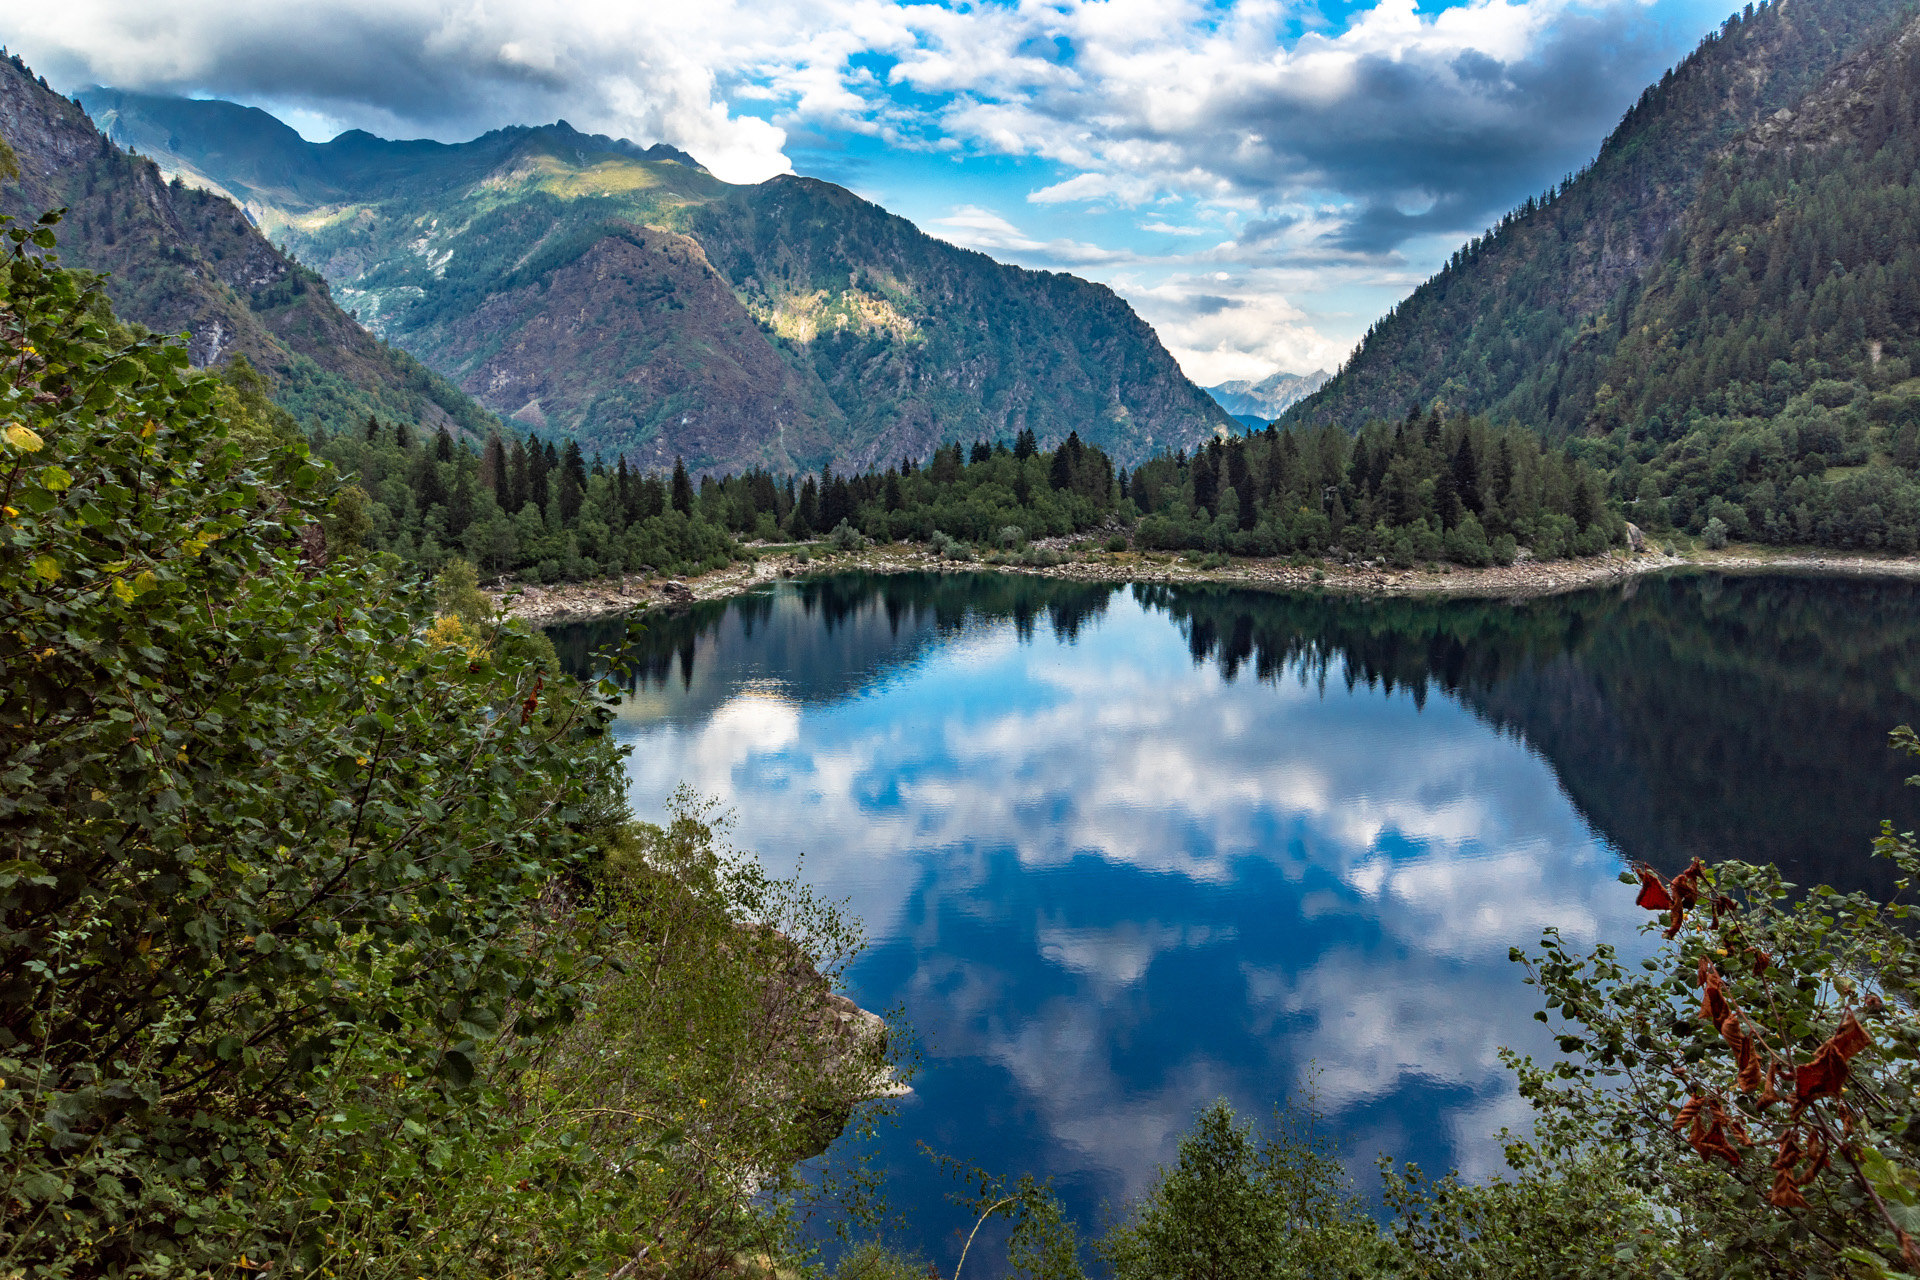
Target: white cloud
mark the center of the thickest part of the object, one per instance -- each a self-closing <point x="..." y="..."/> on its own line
<point x="1331" y="149"/>
<point x="973" y="227"/>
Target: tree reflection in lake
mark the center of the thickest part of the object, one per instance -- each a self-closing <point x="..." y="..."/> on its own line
<point x="1181" y="843"/>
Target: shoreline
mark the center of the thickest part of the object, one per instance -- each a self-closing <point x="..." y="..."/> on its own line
<point x="1524" y="579"/>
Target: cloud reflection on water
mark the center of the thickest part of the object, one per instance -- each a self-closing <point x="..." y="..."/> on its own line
<point x="1108" y="885"/>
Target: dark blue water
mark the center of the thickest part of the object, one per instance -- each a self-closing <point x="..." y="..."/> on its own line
<point x="1124" y="851"/>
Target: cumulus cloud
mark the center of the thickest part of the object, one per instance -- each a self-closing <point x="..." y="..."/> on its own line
<point x="1325" y="151"/>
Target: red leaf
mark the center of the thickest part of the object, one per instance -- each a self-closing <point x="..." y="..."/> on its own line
<point x="1784" y="1195"/>
<point x="1686" y="885"/>
<point x="1714" y="1143"/>
<point x="1688" y="1112"/>
<point x="1761" y="961"/>
<point x="1713" y="1004"/>
<point x="1685" y="891"/>
<point x="1827" y="1073"/>
<point x="528" y="707"/>
<point x="1753" y="1072"/>
<point x="1653" y="893"/>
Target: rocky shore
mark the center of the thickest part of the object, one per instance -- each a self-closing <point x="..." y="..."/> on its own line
<point x="569" y="602"/>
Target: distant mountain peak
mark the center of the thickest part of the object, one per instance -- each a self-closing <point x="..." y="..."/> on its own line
<point x="1269" y="397"/>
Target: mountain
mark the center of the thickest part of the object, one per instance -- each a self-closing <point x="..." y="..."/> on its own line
<point x="1268" y="398"/>
<point x="625" y="298"/>
<point x="185" y="260"/>
<point x="1724" y="309"/>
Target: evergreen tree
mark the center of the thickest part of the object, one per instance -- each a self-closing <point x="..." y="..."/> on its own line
<point x="429" y="488"/>
<point x="1206" y="482"/>
<point x="519" y="481"/>
<point x="1060" y="473"/>
<point x="573" y="483"/>
<point x="537" y="469"/>
<point x="683" y="488"/>
<point x="494" y="470"/>
<point x="461" y="505"/>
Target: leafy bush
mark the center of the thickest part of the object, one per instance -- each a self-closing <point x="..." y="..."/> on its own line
<point x="327" y="946"/>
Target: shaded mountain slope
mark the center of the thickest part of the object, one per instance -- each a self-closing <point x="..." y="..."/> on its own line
<point x="184" y="260"/>
<point x="627" y="299"/>
<point x="1517" y="323"/>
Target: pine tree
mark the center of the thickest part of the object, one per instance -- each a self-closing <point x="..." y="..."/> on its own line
<point x="429" y="489"/>
<point x="519" y="482"/>
<point x="460" y="507"/>
<point x="537" y="468"/>
<point x="683" y="488"/>
<point x="494" y="470"/>
<point x="1060" y="474"/>
<point x="573" y="483"/>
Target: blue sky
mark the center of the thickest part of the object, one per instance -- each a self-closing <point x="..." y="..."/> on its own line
<point x="1261" y="179"/>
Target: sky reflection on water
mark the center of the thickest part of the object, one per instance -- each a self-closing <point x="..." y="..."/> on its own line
<point x="1107" y="881"/>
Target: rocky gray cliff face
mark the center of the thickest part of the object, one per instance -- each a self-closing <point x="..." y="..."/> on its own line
<point x="625" y="298"/>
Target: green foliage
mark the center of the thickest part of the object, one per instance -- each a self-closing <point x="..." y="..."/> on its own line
<point x="1421" y="490"/>
<point x="258" y="825"/>
<point x="457" y="594"/>
<point x="1754" y="1079"/>
<point x="1237" y="1205"/>
<point x="326" y="946"/>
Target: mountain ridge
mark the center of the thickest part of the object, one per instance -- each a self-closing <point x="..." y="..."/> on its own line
<point x="1509" y="304"/>
<point x="632" y="302"/>
<point x="1752" y="376"/>
<point x="1269" y="397"/>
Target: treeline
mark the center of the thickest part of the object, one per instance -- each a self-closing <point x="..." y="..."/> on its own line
<point x="1424" y="490"/>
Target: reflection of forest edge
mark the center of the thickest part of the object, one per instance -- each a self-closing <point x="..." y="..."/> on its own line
<point x="1688" y="714"/>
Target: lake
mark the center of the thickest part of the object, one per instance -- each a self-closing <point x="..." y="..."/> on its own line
<point x="1124" y="850"/>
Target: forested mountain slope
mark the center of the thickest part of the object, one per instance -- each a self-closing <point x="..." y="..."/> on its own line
<point x="1508" y="326"/>
<point x="630" y="301"/>
<point x="1723" y="311"/>
<point x="184" y="260"/>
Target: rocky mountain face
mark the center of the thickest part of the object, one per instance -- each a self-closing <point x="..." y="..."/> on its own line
<point x="627" y="299"/>
<point x="1268" y="398"/>
<point x="1508" y="325"/>
<point x="183" y="260"/>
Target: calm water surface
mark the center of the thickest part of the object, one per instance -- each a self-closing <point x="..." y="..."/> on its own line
<point x="1122" y="851"/>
